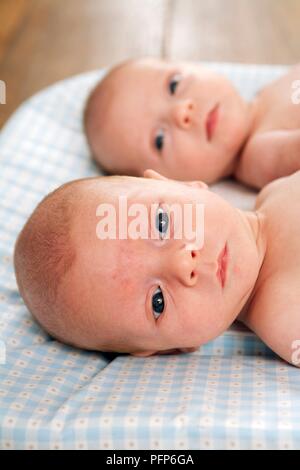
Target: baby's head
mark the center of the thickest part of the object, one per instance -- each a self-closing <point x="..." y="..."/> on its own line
<point x="181" y="119"/>
<point x="130" y="294"/>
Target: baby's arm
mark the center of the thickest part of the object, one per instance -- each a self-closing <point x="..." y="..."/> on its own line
<point x="268" y="156"/>
<point x="274" y="317"/>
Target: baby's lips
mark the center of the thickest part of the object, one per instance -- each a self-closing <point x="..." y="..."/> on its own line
<point x="211" y="121"/>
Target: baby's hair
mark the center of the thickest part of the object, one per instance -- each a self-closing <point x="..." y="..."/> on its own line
<point x="44" y="253"/>
<point x="95" y="115"/>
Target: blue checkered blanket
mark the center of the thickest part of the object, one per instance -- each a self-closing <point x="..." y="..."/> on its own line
<point x="233" y="393"/>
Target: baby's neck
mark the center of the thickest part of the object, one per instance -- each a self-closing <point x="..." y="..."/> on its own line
<point x="252" y="113"/>
<point x="256" y="226"/>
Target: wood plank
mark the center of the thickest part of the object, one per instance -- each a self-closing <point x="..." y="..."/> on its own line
<point x="65" y="38"/>
<point x="256" y="31"/>
<point x="12" y="16"/>
<point x="46" y="40"/>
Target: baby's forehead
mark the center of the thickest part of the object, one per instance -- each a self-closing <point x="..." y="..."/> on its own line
<point x="146" y="67"/>
<point x="109" y="189"/>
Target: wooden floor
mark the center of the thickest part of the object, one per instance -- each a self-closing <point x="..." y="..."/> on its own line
<point x="42" y="41"/>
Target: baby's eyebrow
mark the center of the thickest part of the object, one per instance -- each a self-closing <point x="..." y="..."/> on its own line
<point x="163" y="89"/>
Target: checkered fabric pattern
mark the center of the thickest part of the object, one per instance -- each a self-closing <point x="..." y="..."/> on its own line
<point x="234" y="393"/>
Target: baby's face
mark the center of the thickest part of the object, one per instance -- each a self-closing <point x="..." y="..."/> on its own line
<point x="155" y="292"/>
<point x="180" y="119"/>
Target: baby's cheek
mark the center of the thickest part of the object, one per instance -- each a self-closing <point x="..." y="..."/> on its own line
<point x="125" y="271"/>
<point x="120" y="282"/>
<point x="210" y="321"/>
<point x="236" y="270"/>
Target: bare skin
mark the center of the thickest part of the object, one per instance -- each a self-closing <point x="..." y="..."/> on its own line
<point x="273" y="309"/>
<point x="272" y="149"/>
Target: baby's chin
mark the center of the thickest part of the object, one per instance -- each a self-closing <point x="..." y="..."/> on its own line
<point x="234" y="126"/>
<point x="229" y="154"/>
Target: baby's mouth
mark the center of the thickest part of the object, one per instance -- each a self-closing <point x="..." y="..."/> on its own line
<point x="222" y="265"/>
<point x="211" y="121"/>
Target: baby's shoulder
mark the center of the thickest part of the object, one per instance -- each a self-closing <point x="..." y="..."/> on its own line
<point x="274" y="314"/>
<point x="293" y="73"/>
<point x="282" y="189"/>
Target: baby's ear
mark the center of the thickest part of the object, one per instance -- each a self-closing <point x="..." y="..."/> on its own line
<point x="196" y="184"/>
<point x="157" y="176"/>
<point x="154" y="175"/>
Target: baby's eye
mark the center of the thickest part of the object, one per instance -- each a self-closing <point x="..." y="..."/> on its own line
<point x="162" y="222"/>
<point x="158" y="303"/>
<point x="173" y="83"/>
<point x="159" y="141"/>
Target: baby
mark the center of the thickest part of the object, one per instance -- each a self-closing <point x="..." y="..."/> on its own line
<point x="93" y="288"/>
<point x="188" y="123"/>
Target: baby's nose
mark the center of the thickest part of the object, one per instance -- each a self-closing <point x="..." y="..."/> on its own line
<point x="183" y="113"/>
<point x="185" y="266"/>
